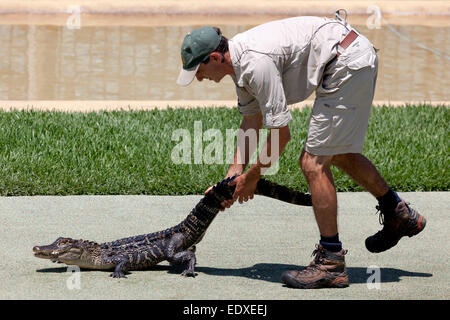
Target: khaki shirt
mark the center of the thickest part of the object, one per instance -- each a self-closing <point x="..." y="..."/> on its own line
<point x="280" y="63"/>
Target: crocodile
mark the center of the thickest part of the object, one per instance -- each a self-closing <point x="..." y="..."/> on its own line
<point x="175" y="245"/>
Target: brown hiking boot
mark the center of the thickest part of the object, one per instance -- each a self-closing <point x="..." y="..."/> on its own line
<point x="327" y="270"/>
<point x="403" y="221"/>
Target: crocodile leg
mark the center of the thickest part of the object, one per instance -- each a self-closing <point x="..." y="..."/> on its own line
<point x="184" y="257"/>
<point x="174" y="256"/>
<point x="121" y="268"/>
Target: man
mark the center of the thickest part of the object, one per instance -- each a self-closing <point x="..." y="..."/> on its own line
<point x="283" y="62"/>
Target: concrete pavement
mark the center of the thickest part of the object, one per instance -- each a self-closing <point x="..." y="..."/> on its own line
<point x="242" y="256"/>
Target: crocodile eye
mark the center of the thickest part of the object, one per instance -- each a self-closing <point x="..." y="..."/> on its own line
<point x="64" y="241"/>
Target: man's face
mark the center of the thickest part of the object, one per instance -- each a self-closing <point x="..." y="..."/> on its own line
<point x="213" y="70"/>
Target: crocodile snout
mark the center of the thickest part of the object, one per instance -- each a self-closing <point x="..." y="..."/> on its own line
<point x="42" y="252"/>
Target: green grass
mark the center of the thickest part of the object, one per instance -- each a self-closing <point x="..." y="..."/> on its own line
<point x="129" y="152"/>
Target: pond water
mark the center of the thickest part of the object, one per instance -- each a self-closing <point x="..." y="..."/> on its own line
<point x="39" y="62"/>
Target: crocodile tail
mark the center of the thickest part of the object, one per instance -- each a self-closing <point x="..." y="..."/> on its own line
<point x="282" y="193"/>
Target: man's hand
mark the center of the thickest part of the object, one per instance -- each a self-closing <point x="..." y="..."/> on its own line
<point x="209" y="189"/>
<point x="245" y="188"/>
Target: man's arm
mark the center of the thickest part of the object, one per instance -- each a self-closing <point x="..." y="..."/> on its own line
<point x="245" y="149"/>
<point x="265" y="83"/>
<point x="271" y="150"/>
<point x="246" y="183"/>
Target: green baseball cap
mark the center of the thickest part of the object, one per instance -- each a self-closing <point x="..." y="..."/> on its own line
<point x="196" y="48"/>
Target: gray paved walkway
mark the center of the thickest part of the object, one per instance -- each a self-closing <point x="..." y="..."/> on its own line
<point x="241" y="257"/>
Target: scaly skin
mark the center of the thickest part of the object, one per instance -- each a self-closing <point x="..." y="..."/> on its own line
<point x="176" y="244"/>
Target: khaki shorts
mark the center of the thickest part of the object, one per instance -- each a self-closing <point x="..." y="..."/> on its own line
<point x="341" y="111"/>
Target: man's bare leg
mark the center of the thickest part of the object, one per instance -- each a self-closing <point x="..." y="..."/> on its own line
<point x="362" y="171"/>
<point x="329" y="255"/>
<point x="323" y="193"/>
<point x="402" y="221"/>
<point x="399" y="219"/>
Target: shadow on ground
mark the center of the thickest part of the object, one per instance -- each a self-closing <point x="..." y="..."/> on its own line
<point x="271" y="272"/>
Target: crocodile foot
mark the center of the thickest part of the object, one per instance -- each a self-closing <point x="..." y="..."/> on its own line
<point x="117" y="274"/>
<point x="188" y="273"/>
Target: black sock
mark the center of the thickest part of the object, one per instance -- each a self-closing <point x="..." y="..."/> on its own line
<point x="331" y="243"/>
<point x="389" y="201"/>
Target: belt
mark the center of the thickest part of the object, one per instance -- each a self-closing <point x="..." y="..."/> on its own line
<point x="344" y="44"/>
